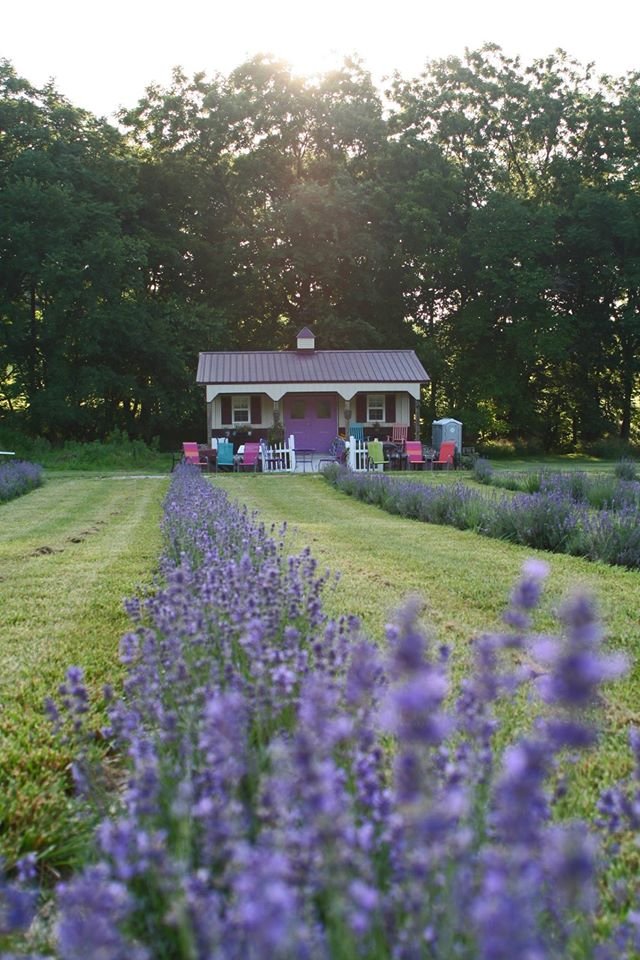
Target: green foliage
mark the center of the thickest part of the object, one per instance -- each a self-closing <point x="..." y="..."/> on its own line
<point x="626" y="469"/>
<point x="117" y="450"/>
<point x="485" y="214"/>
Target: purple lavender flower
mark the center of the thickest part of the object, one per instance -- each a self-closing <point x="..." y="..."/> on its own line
<point x="93" y="908"/>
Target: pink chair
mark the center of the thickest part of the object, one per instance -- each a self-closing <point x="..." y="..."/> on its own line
<point x="191" y="454"/>
<point x="413" y="450"/>
<point x="250" y="457"/>
<point x="398" y="434"/>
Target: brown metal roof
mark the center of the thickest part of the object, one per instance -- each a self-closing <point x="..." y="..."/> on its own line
<point x="317" y="366"/>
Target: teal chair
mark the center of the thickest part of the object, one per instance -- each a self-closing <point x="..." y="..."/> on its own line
<point x="356" y="430"/>
<point x="224" y="458"/>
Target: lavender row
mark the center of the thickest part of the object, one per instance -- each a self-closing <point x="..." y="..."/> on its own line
<point x="295" y="792"/>
<point x="620" y="492"/>
<point x="18" y="477"/>
<point x="548" y="520"/>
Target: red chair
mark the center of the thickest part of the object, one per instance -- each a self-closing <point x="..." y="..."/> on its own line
<point x="191" y="454"/>
<point x="446" y="455"/>
<point x="413" y="450"/>
<point x="250" y="457"/>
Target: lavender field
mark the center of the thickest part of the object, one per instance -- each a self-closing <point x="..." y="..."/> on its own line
<point x="295" y="791"/>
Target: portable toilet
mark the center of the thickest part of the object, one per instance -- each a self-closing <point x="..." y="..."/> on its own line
<point x="446" y="429"/>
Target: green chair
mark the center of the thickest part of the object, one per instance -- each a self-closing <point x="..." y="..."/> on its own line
<point x="375" y="454"/>
<point x="224" y="458"/>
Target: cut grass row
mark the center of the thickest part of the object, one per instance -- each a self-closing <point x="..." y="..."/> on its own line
<point x="70" y="552"/>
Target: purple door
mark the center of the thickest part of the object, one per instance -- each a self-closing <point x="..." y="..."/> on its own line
<point x="312" y="418"/>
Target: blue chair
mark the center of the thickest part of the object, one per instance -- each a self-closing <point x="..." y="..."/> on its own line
<point x="356" y="430"/>
<point x="224" y="457"/>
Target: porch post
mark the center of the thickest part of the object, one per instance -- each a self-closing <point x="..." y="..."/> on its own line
<point x="277" y="425"/>
<point x="416" y="421"/>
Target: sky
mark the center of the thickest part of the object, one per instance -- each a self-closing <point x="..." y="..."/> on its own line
<point x="102" y="56"/>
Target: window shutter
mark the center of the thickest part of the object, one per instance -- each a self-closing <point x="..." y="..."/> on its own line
<point x="256" y="409"/>
<point x="225" y="409"/>
<point x="390" y="407"/>
<point x="361" y="408"/>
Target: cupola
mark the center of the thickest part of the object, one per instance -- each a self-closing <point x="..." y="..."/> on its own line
<point x="306" y="341"/>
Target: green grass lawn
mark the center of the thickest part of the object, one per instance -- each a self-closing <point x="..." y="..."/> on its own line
<point x="70" y="552"/>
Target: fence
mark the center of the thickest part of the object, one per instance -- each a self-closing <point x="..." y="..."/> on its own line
<point x="279" y="458"/>
<point x="358" y="458"/>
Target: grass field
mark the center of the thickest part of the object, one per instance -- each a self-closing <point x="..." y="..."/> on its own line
<point x="71" y="551"/>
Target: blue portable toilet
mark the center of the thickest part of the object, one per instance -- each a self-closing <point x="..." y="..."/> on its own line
<point x="446" y="429"/>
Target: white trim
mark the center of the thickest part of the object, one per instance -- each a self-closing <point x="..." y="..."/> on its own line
<point x="347" y="391"/>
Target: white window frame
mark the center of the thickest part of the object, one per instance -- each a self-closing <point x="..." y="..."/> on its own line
<point x="376" y="401"/>
<point x="240" y="404"/>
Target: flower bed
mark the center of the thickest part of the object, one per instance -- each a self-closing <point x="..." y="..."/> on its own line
<point x="18" y="477"/>
<point x="265" y="813"/>
<point x="548" y="520"/>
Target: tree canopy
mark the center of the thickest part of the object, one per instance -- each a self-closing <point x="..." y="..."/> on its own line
<point x="485" y="213"/>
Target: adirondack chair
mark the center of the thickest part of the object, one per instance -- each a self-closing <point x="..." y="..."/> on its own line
<point x="415" y="457"/>
<point x="398" y="434"/>
<point x="224" y="459"/>
<point x="446" y="455"/>
<point x="375" y="453"/>
<point x="356" y="430"/>
<point x="250" y="457"/>
<point x="337" y="453"/>
<point x="191" y="454"/>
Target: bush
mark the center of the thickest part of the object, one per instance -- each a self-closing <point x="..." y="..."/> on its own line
<point x="626" y="469"/>
<point x="18" y="477"/>
<point x="482" y="471"/>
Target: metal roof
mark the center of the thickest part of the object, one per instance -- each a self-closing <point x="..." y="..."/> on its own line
<point x="314" y="366"/>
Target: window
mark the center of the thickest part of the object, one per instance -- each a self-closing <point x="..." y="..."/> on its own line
<point x="323" y="410"/>
<point x="297" y="409"/>
<point x="375" y="408"/>
<point x="241" y="410"/>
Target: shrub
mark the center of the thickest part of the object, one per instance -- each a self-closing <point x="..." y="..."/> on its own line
<point x="543" y="521"/>
<point x="613" y="537"/>
<point x="626" y="469"/>
<point x="18" y="477"/>
<point x="482" y="471"/>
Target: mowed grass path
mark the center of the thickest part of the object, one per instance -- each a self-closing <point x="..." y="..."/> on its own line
<point x="464" y="579"/>
<point x="70" y="552"/>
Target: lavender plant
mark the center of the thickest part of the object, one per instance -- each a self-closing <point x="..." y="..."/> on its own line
<point x="293" y="792"/>
<point x="17" y="478"/>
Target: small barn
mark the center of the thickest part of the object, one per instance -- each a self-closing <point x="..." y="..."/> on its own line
<point x="310" y="393"/>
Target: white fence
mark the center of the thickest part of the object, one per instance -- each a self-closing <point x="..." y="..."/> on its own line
<point x="279" y="458"/>
<point x="357" y="456"/>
